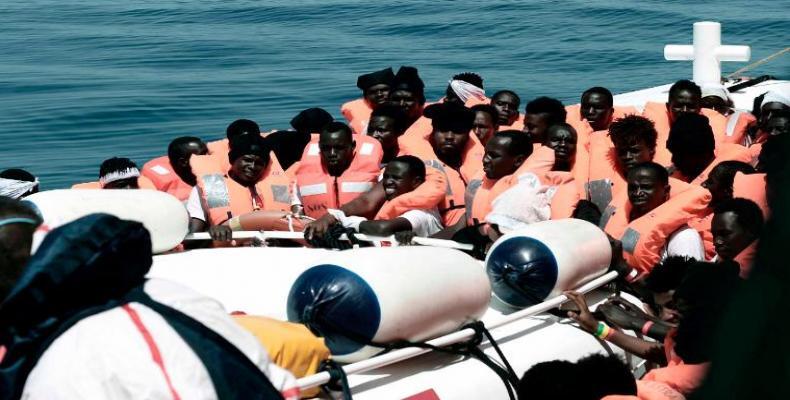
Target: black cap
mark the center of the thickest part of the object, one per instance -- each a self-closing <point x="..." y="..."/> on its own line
<point x="311" y="120"/>
<point x="385" y="76"/>
<point x="408" y="78"/>
<point x="691" y="133"/>
<point x="450" y="117"/>
<point x="248" y="144"/>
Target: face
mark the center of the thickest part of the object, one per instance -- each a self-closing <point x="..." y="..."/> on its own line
<point x="718" y="191"/>
<point x="407" y="101"/>
<point x="632" y="154"/>
<point x="729" y="237"/>
<point x="337" y="152"/>
<point x="596" y="110"/>
<point x="483" y="126"/>
<point x="777" y="126"/>
<point x="767" y="110"/>
<point x="398" y="180"/>
<point x="715" y="103"/>
<point x="645" y="192"/>
<point x="377" y="94"/>
<point x="247" y="169"/>
<point x="129" y="183"/>
<point x="497" y="160"/>
<point x="383" y="129"/>
<point x="684" y="101"/>
<point x="536" y="125"/>
<point x="448" y="144"/>
<point x="507" y="107"/>
<point x="563" y="142"/>
<point x="665" y="307"/>
<point x="15" y="243"/>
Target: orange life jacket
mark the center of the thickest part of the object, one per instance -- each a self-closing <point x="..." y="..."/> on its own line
<point x="752" y="187"/>
<point x="658" y="113"/>
<point x="429" y="194"/>
<point x="606" y="181"/>
<point x="737" y="126"/>
<point x="224" y="198"/>
<point x="565" y="194"/>
<point x="142" y="181"/>
<point x="724" y="152"/>
<point x="480" y="195"/>
<point x="517" y="125"/>
<point x="164" y="178"/>
<point x="644" y="238"/>
<point x="357" y="113"/>
<point x="320" y="191"/>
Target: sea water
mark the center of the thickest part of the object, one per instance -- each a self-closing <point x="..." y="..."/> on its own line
<point x="82" y="81"/>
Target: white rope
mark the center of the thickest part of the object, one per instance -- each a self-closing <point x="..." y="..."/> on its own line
<point x="756" y="63"/>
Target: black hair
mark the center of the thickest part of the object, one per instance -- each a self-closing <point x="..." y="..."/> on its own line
<point x="416" y="166"/>
<point x="633" y="128"/>
<point x="288" y="146"/>
<point x="725" y="171"/>
<point x="602" y="91"/>
<point x="604" y="375"/>
<point x="488" y="109"/>
<point x="18" y="174"/>
<point x="520" y="144"/>
<point x="773" y="158"/>
<point x="748" y="213"/>
<point x="562" y="125"/>
<point x="685" y="84"/>
<point x="311" y="120"/>
<point x="242" y="127"/>
<point x="550" y="380"/>
<point x="337" y="126"/>
<point x="507" y="92"/>
<point x="660" y="172"/>
<point x="691" y="134"/>
<point x="667" y="274"/>
<point x="115" y="164"/>
<point x="553" y="108"/>
<point x="586" y="210"/>
<point x="395" y="113"/>
<point x="178" y="147"/>
<point x="408" y="78"/>
<point x="248" y="144"/>
<point x="470" y="77"/>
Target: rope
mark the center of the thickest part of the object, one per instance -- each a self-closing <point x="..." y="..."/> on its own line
<point x="760" y="62"/>
<point x="331" y="239"/>
<point x="337" y="379"/>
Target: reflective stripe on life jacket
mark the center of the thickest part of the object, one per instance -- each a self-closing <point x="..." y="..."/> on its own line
<point x="164" y="178"/>
<point x="658" y="113"/>
<point x="319" y="191"/>
<point x="644" y="238"/>
<point x="357" y="113"/>
<point x="223" y="198"/>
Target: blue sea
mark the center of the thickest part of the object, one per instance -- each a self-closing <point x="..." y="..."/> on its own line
<point x="85" y="80"/>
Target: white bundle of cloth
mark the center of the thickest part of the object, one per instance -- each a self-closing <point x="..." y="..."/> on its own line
<point x="466" y="90"/>
<point x="519" y="206"/>
<point x="16" y="189"/>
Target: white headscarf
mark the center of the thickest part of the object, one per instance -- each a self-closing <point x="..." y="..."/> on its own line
<point x="16" y="189"/>
<point x="465" y="90"/>
<point x="118" y="175"/>
<point x="717" y="90"/>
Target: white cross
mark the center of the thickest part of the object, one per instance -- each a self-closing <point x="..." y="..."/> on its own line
<point x="707" y="52"/>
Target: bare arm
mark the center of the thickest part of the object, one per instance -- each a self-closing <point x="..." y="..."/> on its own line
<point x="367" y="204"/>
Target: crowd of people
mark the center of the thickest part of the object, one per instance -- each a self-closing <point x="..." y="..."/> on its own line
<point x="682" y="188"/>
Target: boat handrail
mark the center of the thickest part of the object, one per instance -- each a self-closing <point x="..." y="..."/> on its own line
<point x="452" y="338"/>
<point x="262" y="235"/>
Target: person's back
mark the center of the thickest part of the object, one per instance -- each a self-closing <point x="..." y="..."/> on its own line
<point x="83" y="322"/>
<point x="172" y="173"/>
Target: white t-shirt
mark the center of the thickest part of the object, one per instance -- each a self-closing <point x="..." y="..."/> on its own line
<point x="684" y="242"/>
<point x="195" y="206"/>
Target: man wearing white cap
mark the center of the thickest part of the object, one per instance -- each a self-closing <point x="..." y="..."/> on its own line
<point x="716" y="97"/>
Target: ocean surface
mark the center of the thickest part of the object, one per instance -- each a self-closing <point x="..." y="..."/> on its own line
<point x="85" y="80"/>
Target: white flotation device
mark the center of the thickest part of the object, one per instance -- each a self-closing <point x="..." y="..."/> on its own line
<point x="381" y="295"/>
<point x="253" y="280"/>
<point x="546" y="258"/>
<point x="162" y="214"/>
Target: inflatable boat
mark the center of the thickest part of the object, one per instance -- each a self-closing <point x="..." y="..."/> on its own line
<point x="386" y="312"/>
